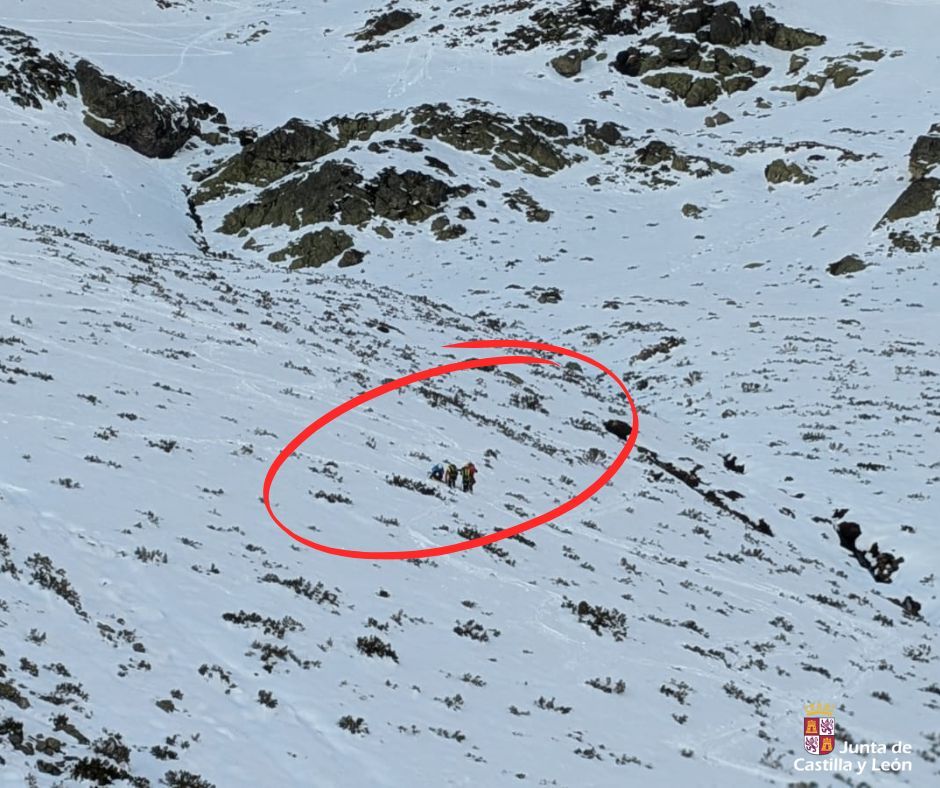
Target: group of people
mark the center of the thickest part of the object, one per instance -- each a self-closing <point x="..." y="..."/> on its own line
<point x="447" y="472"/>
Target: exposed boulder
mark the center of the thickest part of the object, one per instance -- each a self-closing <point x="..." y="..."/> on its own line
<point x="850" y="264"/>
<point x="780" y="171"/>
<point x="147" y="123"/>
<point x="629" y="62"/>
<point x="386" y="23"/>
<point x="314" y="249"/>
<point x="925" y="155"/>
<point x="918" y="197"/>
<point x="621" y="429"/>
<point x="350" y="258"/>
<point x="796" y="64"/>
<point x="718" y="119"/>
<point x="791" y="38"/>
<point x="849" y="533"/>
<point x="445" y="231"/>
<point x="550" y="295"/>
<point x="702" y="91"/>
<point x="569" y="64"/>
<point x="689" y="20"/>
<point x="727" y="27"/>
<point x="678" y="83"/>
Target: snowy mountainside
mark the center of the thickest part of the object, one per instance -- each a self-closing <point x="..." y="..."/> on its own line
<point x="735" y="212"/>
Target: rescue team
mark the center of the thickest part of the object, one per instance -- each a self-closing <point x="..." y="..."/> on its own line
<point x="447" y="472"/>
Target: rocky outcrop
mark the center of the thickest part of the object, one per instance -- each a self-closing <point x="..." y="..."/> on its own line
<point x="569" y="64"/>
<point x="921" y="196"/>
<point x="386" y="23"/>
<point x="314" y="249"/>
<point x="918" y="197"/>
<point x="147" y="123"/>
<point x="337" y="192"/>
<point x="30" y="76"/>
<point x="780" y="171"/>
<point x="716" y="29"/>
<point x="591" y="21"/>
<point x="725" y="24"/>
<point x="925" y="155"/>
<point x="287" y="149"/>
<point x="531" y="143"/>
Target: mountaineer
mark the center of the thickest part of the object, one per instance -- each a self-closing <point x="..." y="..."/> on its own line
<point x="450" y="474"/>
<point x="467" y="473"/>
<point x="437" y="473"/>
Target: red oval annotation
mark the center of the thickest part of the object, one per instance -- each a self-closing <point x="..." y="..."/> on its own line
<point x="433" y="372"/>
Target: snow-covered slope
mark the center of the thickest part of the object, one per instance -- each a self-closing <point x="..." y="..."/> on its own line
<point x="157" y="628"/>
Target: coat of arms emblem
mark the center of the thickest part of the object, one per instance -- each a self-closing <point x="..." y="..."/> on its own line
<point x="819" y="729"/>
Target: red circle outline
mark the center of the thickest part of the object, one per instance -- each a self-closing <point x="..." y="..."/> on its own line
<point x="445" y="369"/>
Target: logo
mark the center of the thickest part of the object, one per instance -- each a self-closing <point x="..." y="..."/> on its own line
<point x="819" y="729"/>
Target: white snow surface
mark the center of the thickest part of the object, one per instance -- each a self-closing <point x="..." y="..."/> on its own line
<point x="145" y="388"/>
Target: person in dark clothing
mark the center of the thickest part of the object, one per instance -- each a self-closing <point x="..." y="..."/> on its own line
<point x="450" y="474"/>
<point x="437" y="473"/>
<point x="468" y="475"/>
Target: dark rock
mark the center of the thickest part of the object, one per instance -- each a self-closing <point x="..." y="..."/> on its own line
<point x="925" y="155"/>
<point x="655" y="152"/>
<point x="791" y="38"/>
<point x="350" y="258"/>
<point x="445" y="231"/>
<point x="569" y="64"/>
<point x="317" y="197"/>
<point x="850" y="264"/>
<point x="911" y="606"/>
<point x="246" y="136"/>
<point x="148" y="124"/>
<point x="796" y="63"/>
<point x="621" y="429"/>
<point x="337" y="191"/>
<point x="437" y="164"/>
<point x="30" y="77"/>
<point x="386" y="23"/>
<point x="849" y="533"/>
<point x="678" y="51"/>
<point x="762" y="27"/>
<point x="843" y="74"/>
<point x="726" y="29"/>
<point x="702" y="91"/>
<point x="314" y="249"/>
<point x="551" y="295"/>
<point x="286" y="149"/>
<point x="738" y="83"/>
<point x="718" y="119"/>
<point x="689" y="20"/>
<point x="607" y="132"/>
<point x="918" y="197"/>
<point x="629" y="62"/>
<point x="678" y="83"/>
<point x="780" y="171"/>
<point x="527" y="143"/>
